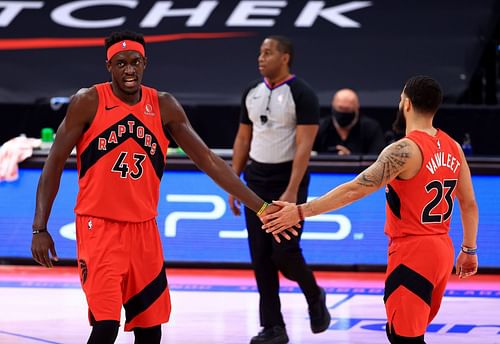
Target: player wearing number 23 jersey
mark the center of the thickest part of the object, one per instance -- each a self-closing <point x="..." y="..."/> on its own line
<point x="423" y="204"/>
<point x="417" y="224"/>
<point x="422" y="173"/>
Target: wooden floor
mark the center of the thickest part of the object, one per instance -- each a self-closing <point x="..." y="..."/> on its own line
<point x="220" y="306"/>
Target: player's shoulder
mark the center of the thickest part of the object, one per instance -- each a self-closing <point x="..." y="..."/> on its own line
<point x="169" y="105"/>
<point x="403" y="146"/>
<point x="85" y="97"/>
<point x="86" y="92"/>
<point x="403" y="157"/>
<point x="165" y="95"/>
<point x="166" y="98"/>
<point x="404" y="142"/>
<point x="445" y="135"/>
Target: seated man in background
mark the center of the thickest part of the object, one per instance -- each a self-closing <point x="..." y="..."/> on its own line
<point x="346" y="131"/>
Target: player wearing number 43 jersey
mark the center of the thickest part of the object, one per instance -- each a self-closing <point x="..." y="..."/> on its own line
<point x="121" y="152"/>
<point x="423" y="172"/>
<point x="119" y="129"/>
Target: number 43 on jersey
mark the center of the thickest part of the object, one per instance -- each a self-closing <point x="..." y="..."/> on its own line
<point x="122" y="167"/>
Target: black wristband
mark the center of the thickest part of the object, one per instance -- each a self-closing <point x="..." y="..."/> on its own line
<point x="38" y="231"/>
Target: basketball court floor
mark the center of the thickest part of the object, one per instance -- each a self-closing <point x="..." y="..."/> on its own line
<point x="39" y="305"/>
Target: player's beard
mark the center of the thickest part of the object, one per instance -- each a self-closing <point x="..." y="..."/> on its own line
<point x="399" y="125"/>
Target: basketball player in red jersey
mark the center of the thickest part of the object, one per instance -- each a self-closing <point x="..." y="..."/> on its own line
<point x="119" y="128"/>
<point x="422" y="173"/>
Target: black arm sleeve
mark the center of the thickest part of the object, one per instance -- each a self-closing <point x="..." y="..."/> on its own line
<point x="244" y="118"/>
<point x="306" y="102"/>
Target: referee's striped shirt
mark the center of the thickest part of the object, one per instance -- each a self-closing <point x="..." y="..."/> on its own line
<point x="274" y="113"/>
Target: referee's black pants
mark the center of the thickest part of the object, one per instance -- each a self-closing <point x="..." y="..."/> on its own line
<point x="269" y="181"/>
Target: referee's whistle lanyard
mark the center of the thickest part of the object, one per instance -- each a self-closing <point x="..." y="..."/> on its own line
<point x="265" y="117"/>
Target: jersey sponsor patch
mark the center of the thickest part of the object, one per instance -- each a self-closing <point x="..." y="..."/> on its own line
<point x="148" y="110"/>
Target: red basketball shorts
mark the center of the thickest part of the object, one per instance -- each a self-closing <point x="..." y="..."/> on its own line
<point x="121" y="264"/>
<point x="417" y="273"/>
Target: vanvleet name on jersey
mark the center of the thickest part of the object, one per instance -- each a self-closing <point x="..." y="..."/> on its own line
<point x="442" y="159"/>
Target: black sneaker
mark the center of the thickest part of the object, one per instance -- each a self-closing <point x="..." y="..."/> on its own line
<point x="319" y="314"/>
<point x="271" y="335"/>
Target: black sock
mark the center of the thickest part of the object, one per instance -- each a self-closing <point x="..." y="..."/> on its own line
<point x="147" y="335"/>
<point x="104" y="332"/>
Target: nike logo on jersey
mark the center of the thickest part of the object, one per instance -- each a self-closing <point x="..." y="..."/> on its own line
<point x="110" y="107"/>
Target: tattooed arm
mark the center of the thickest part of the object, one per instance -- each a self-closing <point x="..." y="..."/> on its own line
<point x="400" y="159"/>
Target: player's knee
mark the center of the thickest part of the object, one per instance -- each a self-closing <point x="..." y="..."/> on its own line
<point x="104" y="332"/>
<point x="394" y="338"/>
<point x="147" y="335"/>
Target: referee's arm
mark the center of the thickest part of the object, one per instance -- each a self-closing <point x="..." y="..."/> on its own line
<point x="304" y="140"/>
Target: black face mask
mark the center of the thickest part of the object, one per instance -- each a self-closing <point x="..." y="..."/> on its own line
<point x="399" y="125"/>
<point x="344" y="119"/>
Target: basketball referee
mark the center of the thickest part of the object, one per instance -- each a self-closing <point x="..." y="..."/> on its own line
<point x="278" y="125"/>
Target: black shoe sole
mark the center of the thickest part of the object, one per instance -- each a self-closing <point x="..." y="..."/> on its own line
<point x="322" y="328"/>
<point x="278" y="340"/>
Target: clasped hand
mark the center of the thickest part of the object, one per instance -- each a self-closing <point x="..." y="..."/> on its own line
<point x="273" y="210"/>
<point x="283" y="217"/>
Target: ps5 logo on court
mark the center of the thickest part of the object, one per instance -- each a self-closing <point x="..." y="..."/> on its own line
<point x="335" y="226"/>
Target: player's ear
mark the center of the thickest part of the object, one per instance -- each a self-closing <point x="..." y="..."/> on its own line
<point x="407" y="105"/>
<point x="145" y="62"/>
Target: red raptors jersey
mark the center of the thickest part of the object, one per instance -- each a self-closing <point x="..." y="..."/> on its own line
<point x="423" y="204"/>
<point x="121" y="158"/>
